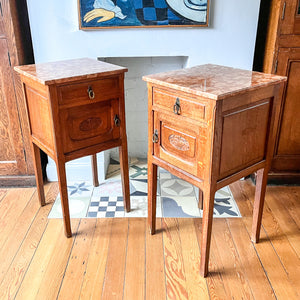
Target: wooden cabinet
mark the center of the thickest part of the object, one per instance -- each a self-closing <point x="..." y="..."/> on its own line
<point x="212" y="125"/>
<point x="75" y="108"/>
<point x="282" y="57"/>
<point x="16" y="166"/>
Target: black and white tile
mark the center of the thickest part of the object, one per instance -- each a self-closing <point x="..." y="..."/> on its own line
<point x="175" y="197"/>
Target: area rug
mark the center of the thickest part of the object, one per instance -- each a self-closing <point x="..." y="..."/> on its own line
<point x="176" y="198"/>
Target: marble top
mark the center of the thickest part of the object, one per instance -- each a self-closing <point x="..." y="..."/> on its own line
<point x="69" y="70"/>
<point x="213" y="81"/>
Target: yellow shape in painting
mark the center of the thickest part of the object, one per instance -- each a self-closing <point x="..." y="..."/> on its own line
<point x="101" y="13"/>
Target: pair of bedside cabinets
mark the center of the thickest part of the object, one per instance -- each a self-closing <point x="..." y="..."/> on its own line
<point x="209" y="125"/>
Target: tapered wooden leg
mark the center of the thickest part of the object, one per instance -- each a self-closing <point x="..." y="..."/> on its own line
<point x="152" y="189"/>
<point x="62" y="181"/>
<point x="208" y="208"/>
<point x="95" y="169"/>
<point x="260" y="191"/>
<point x="123" y="153"/>
<point x="38" y="174"/>
<point x="200" y="202"/>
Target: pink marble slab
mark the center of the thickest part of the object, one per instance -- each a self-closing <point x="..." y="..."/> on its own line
<point x="213" y="81"/>
<point x="69" y="70"/>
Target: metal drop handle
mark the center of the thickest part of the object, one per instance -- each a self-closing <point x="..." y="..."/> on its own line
<point x="91" y="93"/>
<point x="176" y="107"/>
<point x="155" y="136"/>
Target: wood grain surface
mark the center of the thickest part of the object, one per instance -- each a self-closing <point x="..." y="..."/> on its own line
<point x="119" y="259"/>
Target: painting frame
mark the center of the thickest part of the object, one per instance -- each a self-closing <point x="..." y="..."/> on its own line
<point x="109" y="14"/>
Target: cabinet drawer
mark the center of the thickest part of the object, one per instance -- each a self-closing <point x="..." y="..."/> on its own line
<point x="179" y="143"/>
<point x="89" y="91"/>
<point x="178" y="104"/>
<point x="89" y="124"/>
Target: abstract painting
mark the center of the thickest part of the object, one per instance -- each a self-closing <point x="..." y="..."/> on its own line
<point x="96" y="14"/>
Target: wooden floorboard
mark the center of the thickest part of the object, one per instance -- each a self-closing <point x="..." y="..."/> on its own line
<point x="119" y="259"/>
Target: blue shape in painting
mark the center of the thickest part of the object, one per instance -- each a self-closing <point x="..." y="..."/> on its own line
<point x="114" y="13"/>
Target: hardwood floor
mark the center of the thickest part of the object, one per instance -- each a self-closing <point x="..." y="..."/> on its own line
<point x="118" y="259"/>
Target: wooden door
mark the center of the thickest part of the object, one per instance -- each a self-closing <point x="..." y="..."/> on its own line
<point x="290" y="17"/>
<point x="287" y="153"/>
<point x="12" y="157"/>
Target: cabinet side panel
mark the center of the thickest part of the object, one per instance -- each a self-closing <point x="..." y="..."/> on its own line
<point x="40" y="117"/>
<point x="244" y="137"/>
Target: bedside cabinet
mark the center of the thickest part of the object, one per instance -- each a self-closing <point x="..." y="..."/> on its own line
<point x="75" y="108"/>
<point x="212" y="125"/>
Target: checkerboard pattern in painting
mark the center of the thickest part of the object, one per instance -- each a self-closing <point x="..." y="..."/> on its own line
<point x="155" y="12"/>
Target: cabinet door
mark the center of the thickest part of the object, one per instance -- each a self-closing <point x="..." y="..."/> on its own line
<point x="90" y="124"/>
<point x="290" y="17"/>
<point x="180" y="143"/>
<point x="12" y="158"/>
<point x="287" y="153"/>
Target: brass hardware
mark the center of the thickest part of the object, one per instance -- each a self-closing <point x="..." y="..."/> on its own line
<point x="117" y="121"/>
<point x="283" y="11"/>
<point x="155" y="136"/>
<point x="91" y="93"/>
<point x="176" y="107"/>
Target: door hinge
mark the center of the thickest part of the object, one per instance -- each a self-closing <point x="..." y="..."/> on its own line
<point x="9" y="58"/>
<point x="275" y="67"/>
<point x="283" y="11"/>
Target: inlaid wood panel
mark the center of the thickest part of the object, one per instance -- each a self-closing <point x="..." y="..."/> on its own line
<point x="179" y="143"/>
<point x="90" y="124"/>
<point x="244" y="137"/>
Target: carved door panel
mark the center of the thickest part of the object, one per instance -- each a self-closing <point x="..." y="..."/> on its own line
<point x="287" y="151"/>
<point x="178" y="142"/>
<point x="12" y="157"/>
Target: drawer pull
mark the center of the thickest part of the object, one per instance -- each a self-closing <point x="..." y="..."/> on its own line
<point x="117" y="121"/>
<point x="155" y="136"/>
<point x="91" y="93"/>
<point x="176" y="107"/>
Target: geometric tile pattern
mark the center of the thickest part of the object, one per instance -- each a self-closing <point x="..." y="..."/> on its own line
<point x="175" y="197"/>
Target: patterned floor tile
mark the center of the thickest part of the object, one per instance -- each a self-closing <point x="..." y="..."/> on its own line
<point x="175" y="197"/>
<point x="176" y="187"/>
<point x="78" y="206"/>
<point x="180" y="207"/>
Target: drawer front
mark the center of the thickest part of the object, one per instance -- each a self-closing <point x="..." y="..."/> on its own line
<point x="179" y="143"/>
<point x="178" y="104"/>
<point x="89" y="124"/>
<point x="89" y="91"/>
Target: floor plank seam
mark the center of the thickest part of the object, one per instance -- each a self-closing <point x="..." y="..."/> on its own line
<point x="265" y="271"/>
<point x="105" y="271"/>
<point x="63" y="277"/>
<point x="31" y="198"/>
<point x="237" y="252"/>
<point x="163" y="245"/>
<point x="124" y="280"/>
<point x="31" y="257"/>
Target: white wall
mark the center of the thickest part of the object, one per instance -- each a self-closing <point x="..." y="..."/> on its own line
<point x="229" y="40"/>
